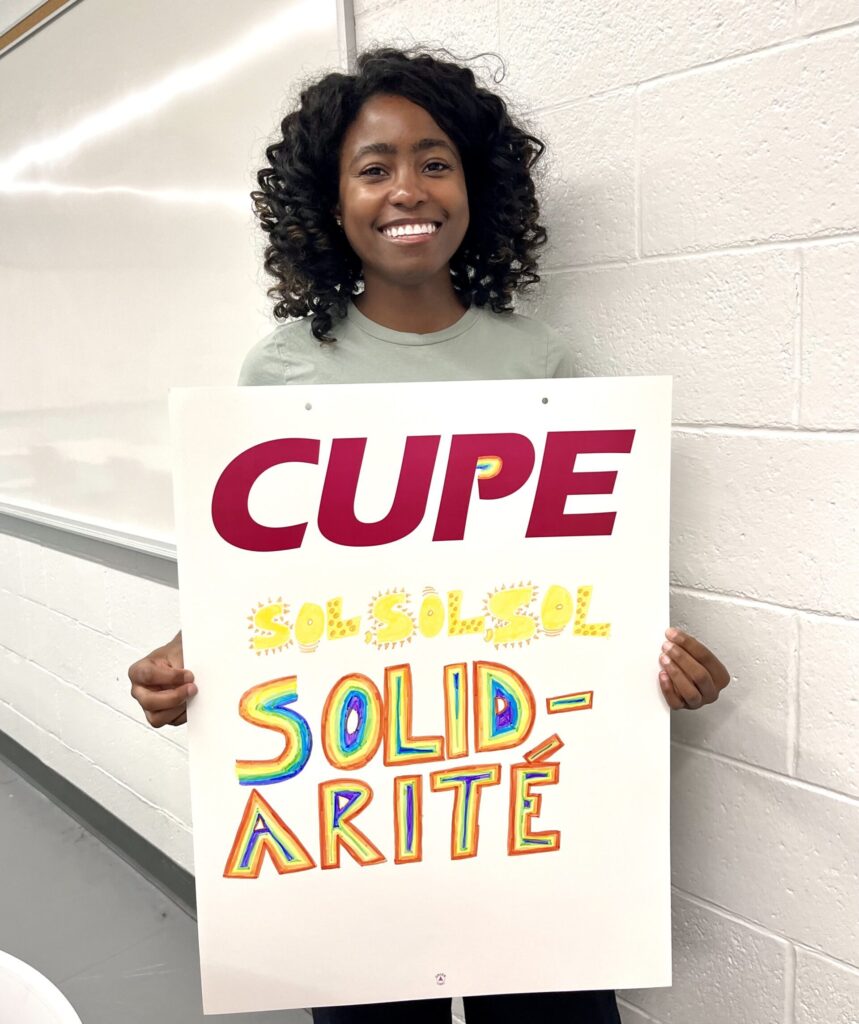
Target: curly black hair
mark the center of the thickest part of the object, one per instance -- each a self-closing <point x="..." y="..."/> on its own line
<point x="315" y="268"/>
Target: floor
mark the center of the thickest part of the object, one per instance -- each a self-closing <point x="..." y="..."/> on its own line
<point x="121" y="951"/>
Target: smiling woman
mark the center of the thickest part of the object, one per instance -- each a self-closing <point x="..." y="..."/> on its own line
<point x="402" y="218"/>
<point x="408" y="142"/>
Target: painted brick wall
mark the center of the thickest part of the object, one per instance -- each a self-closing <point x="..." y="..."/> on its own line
<point x="702" y="196"/>
<point x="702" y="193"/>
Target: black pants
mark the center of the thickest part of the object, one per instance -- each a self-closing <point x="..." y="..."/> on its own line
<point x="542" y="1008"/>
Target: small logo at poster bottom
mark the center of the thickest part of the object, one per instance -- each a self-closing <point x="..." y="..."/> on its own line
<point x="440" y="979"/>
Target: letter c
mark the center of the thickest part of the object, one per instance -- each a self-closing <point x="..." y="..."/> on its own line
<point x="230" y="514"/>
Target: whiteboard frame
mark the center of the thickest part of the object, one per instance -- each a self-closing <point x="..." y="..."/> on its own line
<point x="37" y="18"/>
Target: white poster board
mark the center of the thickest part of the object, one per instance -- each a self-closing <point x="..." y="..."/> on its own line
<point x="392" y="796"/>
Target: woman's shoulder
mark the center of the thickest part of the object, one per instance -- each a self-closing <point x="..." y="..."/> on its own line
<point x="546" y="341"/>
<point x="269" y="360"/>
<point x="521" y="323"/>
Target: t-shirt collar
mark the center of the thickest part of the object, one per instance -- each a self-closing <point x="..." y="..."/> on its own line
<point x="386" y="334"/>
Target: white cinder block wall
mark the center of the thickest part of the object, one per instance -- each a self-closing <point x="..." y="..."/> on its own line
<point x="703" y="201"/>
<point x="69" y="629"/>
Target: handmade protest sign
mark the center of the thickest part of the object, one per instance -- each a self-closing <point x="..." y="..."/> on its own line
<point x="429" y="752"/>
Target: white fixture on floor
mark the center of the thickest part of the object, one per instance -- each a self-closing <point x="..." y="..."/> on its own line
<point x="27" y="997"/>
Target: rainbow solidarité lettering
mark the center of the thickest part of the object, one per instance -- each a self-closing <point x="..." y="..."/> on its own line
<point x="360" y="722"/>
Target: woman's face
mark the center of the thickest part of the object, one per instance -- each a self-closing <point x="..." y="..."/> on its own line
<point x="403" y="199"/>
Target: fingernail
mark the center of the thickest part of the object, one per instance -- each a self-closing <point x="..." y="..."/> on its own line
<point x="667" y="646"/>
<point x="671" y="632"/>
<point x="192" y="690"/>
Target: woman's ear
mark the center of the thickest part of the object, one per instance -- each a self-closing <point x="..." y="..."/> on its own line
<point x="337" y="215"/>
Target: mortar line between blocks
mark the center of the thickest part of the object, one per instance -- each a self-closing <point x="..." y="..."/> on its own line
<point x="728" y="915"/>
<point x="727" y="249"/>
<point x="790" y="985"/>
<point x="184" y="825"/>
<point x="823" y="955"/>
<point x="794" y="707"/>
<point x="755" y="602"/>
<point x="799" y="298"/>
<point x="375" y="6"/>
<point x="73" y="750"/>
<point x="771" y="774"/>
<point x="756" y="926"/>
<point x="636" y="150"/>
<point x="164" y="737"/>
<point x="77" y="622"/>
<point x="734" y="430"/>
<point x="746" y="56"/>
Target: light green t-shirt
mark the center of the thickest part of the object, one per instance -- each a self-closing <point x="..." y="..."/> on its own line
<point x="481" y="345"/>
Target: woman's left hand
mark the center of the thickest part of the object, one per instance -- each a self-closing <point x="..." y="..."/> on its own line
<point x="690" y="674"/>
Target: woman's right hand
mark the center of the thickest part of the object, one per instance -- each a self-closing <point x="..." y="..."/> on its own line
<point x="161" y="684"/>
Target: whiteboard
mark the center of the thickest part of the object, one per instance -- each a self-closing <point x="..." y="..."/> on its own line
<point x="131" y="262"/>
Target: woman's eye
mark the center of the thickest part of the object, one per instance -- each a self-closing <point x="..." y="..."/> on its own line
<point x="436" y="165"/>
<point x="371" y="171"/>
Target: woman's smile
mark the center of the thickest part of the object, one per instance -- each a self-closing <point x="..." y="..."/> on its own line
<point x="410" y="232"/>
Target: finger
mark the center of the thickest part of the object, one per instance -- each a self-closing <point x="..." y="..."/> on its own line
<point x="719" y="674"/>
<point x="693" y="671"/>
<point x="174" y="652"/>
<point x="688" y="643"/>
<point x="683" y="686"/>
<point x="673" y="701"/>
<point x="162" y="700"/>
<point x="176" y="716"/>
<point x="150" y="673"/>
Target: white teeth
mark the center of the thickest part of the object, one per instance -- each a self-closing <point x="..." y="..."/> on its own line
<point x="403" y="230"/>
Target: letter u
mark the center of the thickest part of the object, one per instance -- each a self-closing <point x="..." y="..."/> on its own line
<point x="337" y="520"/>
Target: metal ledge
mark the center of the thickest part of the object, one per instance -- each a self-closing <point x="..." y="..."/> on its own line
<point x="152" y="558"/>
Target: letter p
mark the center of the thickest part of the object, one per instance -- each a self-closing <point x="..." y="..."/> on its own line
<point x="502" y="464"/>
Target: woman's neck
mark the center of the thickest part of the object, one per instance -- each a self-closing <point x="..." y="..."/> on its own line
<point x="421" y="309"/>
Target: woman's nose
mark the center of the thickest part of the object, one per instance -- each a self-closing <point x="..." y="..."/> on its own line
<point x="407" y="189"/>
